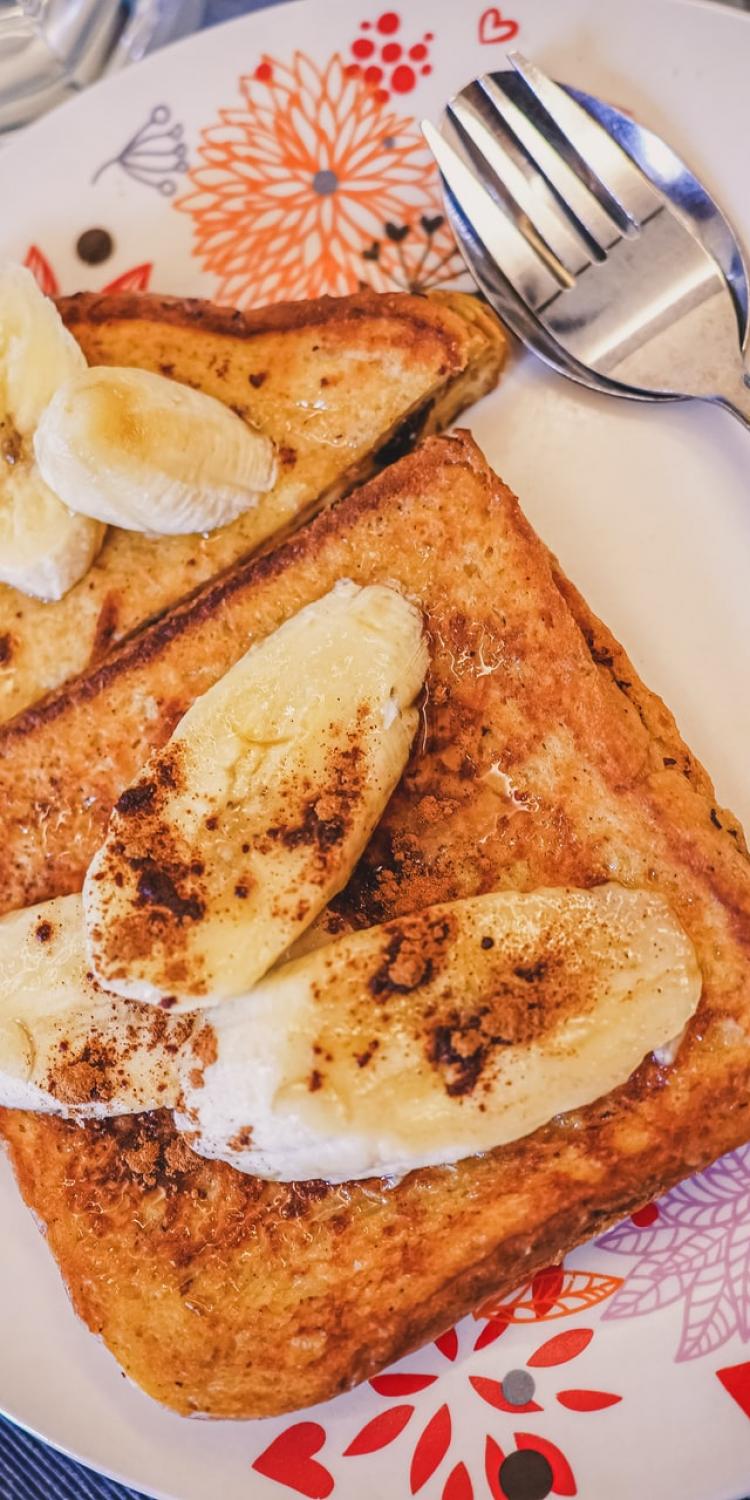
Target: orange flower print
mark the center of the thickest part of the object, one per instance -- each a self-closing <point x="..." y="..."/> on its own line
<point x="315" y="186"/>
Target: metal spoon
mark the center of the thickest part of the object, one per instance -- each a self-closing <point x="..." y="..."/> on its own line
<point x="664" y="168"/>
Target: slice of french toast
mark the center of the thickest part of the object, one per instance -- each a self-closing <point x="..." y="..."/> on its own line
<point x="341" y="385"/>
<point x="541" y="761"/>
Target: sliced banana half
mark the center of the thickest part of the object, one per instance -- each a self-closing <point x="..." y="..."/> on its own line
<point x="44" y="547"/>
<point x="139" y="451"/>
<point x="65" y="1045"/>
<point x="438" y="1036"/>
<point x="251" y="818"/>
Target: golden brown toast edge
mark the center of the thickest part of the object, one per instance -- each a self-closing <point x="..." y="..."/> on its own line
<point x="307" y="374"/>
<point x="192" y="1272"/>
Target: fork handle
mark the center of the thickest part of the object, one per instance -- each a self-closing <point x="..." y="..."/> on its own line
<point x="739" y="400"/>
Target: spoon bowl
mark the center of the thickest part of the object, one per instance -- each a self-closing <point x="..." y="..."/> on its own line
<point x="671" y="176"/>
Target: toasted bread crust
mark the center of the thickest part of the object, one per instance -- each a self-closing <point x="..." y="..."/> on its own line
<point x="192" y="1272"/>
<point x="95" y="308"/>
<point x="338" y="384"/>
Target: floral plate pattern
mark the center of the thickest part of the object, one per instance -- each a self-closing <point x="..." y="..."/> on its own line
<point x="281" y="157"/>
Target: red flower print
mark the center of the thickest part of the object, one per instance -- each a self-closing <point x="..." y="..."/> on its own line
<point x="388" y="61"/>
<point x="135" y="280"/>
<point x="493" y="1460"/>
<point x="380" y="1431"/>
<point x="491" y="1331"/>
<point x="36" y="261"/>
<point x="587" y="1400"/>
<point x="429" y="1441"/>
<point x="431" y="1449"/>
<point x="448" y="1344"/>
<point x="491" y="1391"/>
<point x="458" y="1485"/>
<point x="311" y="186"/>
<point x="645" y="1216"/>
<point x="507" y="1468"/>
<point x="514" y="1394"/>
<point x="401" y="1385"/>
<point x="554" y="1292"/>
<point x="562" y="1347"/>
<point x="563" y="1482"/>
<point x="736" y="1380"/>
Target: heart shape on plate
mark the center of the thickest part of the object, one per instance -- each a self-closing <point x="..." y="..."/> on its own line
<point x="495" y="27"/>
<point x="290" y="1460"/>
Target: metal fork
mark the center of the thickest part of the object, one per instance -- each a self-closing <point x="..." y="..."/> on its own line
<point x="608" y="272"/>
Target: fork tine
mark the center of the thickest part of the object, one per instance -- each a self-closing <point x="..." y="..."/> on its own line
<point x="574" y="196"/>
<point x="528" y="198"/>
<point x="596" y="152"/>
<point x="524" y="268"/>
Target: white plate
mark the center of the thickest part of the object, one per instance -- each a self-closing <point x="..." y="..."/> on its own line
<point x="649" y="510"/>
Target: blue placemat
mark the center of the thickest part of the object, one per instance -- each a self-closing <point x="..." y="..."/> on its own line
<point x="31" y="1471"/>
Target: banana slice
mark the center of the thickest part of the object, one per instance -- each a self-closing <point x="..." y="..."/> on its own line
<point x="44" y="549"/>
<point x="145" y="453"/>
<point x="243" y="827"/>
<point x="439" y="1035"/>
<point x="327" y="928"/>
<point x="65" y="1045"/>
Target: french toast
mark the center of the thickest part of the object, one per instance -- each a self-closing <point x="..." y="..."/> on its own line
<point x="542" y="760"/>
<point x="341" y="385"/>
